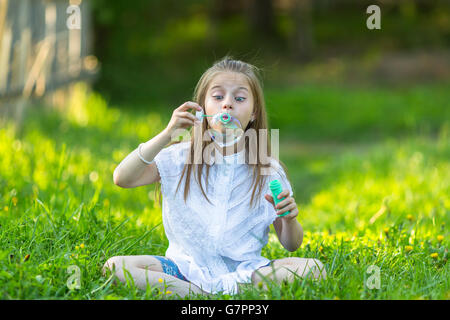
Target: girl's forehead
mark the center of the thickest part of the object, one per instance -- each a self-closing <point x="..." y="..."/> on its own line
<point x="229" y="80"/>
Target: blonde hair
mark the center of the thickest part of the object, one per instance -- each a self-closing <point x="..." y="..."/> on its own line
<point x="252" y="74"/>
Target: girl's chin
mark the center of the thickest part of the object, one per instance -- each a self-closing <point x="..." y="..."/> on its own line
<point x="227" y="133"/>
<point x="227" y="138"/>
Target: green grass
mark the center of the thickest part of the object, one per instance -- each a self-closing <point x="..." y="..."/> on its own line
<point x="378" y="199"/>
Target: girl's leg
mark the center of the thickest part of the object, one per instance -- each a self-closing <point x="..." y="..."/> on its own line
<point x="287" y="269"/>
<point x="145" y="269"/>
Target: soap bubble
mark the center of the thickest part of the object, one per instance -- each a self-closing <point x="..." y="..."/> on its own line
<point x="225" y="129"/>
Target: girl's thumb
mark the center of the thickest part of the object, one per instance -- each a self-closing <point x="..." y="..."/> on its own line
<point x="269" y="198"/>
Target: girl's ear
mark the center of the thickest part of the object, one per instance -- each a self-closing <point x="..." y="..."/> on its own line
<point x="252" y="118"/>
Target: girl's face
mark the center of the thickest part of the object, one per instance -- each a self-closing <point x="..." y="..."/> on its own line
<point x="230" y="92"/>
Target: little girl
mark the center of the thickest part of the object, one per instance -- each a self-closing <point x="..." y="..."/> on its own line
<point x="219" y="224"/>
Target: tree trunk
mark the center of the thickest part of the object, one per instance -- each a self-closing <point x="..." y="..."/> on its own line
<point x="302" y="44"/>
<point x="262" y="19"/>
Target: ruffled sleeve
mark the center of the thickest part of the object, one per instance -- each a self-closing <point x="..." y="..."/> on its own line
<point x="170" y="162"/>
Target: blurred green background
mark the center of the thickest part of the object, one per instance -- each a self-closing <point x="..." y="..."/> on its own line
<point x="156" y="50"/>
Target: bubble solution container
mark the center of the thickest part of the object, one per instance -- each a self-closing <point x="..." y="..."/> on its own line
<point x="275" y="188"/>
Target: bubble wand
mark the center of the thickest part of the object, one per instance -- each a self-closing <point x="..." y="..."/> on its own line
<point x="223" y="117"/>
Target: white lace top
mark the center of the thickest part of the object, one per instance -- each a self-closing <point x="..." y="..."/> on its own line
<point x="215" y="246"/>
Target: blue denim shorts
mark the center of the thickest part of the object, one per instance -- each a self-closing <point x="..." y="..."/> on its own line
<point x="169" y="267"/>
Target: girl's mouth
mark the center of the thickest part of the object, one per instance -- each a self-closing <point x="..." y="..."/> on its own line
<point x="221" y="120"/>
<point x="226" y="129"/>
<point x="224" y="120"/>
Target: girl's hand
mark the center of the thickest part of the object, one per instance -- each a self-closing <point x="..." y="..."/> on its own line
<point x="181" y="118"/>
<point x="287" y="204"/>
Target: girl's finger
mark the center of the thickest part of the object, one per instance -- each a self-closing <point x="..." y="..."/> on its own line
<point x="269" y="198"/>
<point x="284" y="209"/>
<point x="187" y="115"/>
<point x="292" y="208"/>
<point x="289" y="216"/>
<point x="284" y="193"/>
<point x="189" y="105"/>
<point x="284" y="203"/>
<point x="184" y="122"/>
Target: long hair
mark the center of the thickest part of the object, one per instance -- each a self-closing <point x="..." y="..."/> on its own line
<point x="252" y="74"/>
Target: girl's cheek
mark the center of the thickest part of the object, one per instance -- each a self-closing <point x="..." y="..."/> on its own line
<point x="210" y="105"/>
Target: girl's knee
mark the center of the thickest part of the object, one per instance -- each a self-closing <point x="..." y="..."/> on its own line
<point x="254" y="277"/>
<point x="305" y="267"/>
<point x="317" y="268"/>
<point x="259" y="274"/>
<point x="113" y="263"/>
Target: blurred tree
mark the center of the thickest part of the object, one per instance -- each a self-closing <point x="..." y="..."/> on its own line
<point x="302" y="38"/>
<point x="149" y="49"/>
<point x="262" y="19"/>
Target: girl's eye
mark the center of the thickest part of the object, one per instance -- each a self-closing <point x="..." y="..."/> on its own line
<point x="239" y="99"/>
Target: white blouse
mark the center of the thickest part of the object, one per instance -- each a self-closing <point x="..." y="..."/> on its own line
<point x="215" y="246"/>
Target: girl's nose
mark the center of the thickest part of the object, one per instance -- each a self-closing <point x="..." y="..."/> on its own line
<point x="227" y="107"/>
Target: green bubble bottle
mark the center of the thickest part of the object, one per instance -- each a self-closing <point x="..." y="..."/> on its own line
<point x="275" y="188"/>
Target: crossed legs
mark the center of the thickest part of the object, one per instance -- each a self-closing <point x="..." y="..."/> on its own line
<point x="286" y="269"/>
<point x="147" y="269"/>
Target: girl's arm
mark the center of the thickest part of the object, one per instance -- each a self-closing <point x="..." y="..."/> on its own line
<point x="132" y="171"/>
<point x="289" y="230"/>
